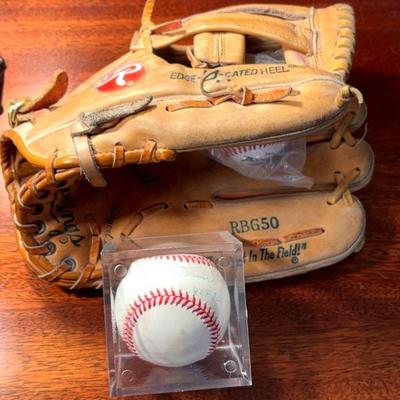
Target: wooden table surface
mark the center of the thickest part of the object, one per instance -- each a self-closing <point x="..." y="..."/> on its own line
<point x="331" y="334"/>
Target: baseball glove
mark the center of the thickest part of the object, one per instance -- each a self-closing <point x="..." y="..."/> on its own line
<point x="252" y="74"/>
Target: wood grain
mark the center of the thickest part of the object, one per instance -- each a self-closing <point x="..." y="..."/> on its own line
<point x="331" y="334"/>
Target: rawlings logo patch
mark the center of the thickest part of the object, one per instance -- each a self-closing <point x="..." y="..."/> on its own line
<point x="122" y="78"/>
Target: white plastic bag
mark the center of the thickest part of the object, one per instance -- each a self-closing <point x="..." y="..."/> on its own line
<point x="281" y="162"/>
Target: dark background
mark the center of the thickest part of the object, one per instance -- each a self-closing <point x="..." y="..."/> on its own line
<point x="331" y="334"/>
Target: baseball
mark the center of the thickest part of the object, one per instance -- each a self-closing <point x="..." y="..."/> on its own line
<point x="172" y="310"/>
<point x="256" y="161"/>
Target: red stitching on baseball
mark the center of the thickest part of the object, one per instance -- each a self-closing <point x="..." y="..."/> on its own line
<point x="183" y="300"/>
<point x="233" y="151"/>
<point x="189" y="258"/>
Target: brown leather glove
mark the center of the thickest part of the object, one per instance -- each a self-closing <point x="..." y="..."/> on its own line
<point x="258" y="74"/>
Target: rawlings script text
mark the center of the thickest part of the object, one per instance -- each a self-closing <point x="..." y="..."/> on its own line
<point x="62" y="211"/>
<point x="292" y="252"/>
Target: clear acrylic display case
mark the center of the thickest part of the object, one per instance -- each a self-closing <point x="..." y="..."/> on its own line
<point x="227" y="366"/>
